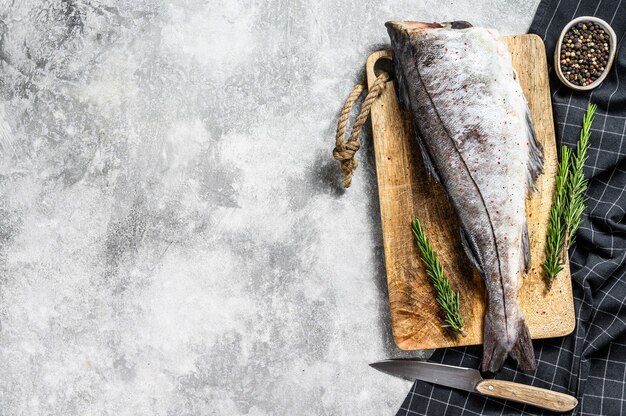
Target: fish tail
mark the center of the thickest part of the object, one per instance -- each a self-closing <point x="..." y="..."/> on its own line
<point x="523" y="351"/>
<point x="495" y="348"/>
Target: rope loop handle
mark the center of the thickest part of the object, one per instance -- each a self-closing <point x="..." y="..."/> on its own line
<point x="344" y="151"/>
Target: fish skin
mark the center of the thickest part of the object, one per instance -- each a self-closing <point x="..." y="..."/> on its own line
<point x="476" y="136"/>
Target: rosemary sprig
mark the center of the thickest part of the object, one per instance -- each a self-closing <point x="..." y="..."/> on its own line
<point x="448" y="300"/>
<point x="578" y="182"/>
<point x="569" y="200"/>
<point x="557" y="226"/>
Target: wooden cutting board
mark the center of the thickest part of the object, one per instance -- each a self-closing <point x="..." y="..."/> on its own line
<point x="406" y="192"/>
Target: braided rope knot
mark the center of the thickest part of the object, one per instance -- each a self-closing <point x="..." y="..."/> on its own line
<point x="344" y="152"/>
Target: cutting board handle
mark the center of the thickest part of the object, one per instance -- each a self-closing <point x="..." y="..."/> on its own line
<point x="522" y="393"/>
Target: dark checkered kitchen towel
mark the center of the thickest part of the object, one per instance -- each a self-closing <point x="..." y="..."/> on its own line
<point x="590" y="363"/>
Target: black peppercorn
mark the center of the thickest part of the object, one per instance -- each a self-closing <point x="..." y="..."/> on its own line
<point x="588" y="44"/>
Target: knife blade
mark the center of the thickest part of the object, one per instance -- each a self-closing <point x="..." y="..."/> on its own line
<point x="471" y="380"/>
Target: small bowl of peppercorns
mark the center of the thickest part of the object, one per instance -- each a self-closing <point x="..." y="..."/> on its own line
<point x="585" y="52"/>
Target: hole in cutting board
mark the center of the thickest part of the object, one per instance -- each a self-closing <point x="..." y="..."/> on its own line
<point x="385" y="64"/>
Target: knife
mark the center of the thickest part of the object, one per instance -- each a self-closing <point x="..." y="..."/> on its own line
<point x="469" y="379"/>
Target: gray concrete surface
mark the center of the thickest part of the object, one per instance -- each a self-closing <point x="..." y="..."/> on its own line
<point x="173" y="240"/>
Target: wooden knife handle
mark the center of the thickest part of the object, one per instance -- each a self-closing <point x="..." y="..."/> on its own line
<point x="522" y="393"/>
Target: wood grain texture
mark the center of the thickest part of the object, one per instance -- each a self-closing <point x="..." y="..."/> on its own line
<point x="405" y="192"/>
<point x="522" y="393"/>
